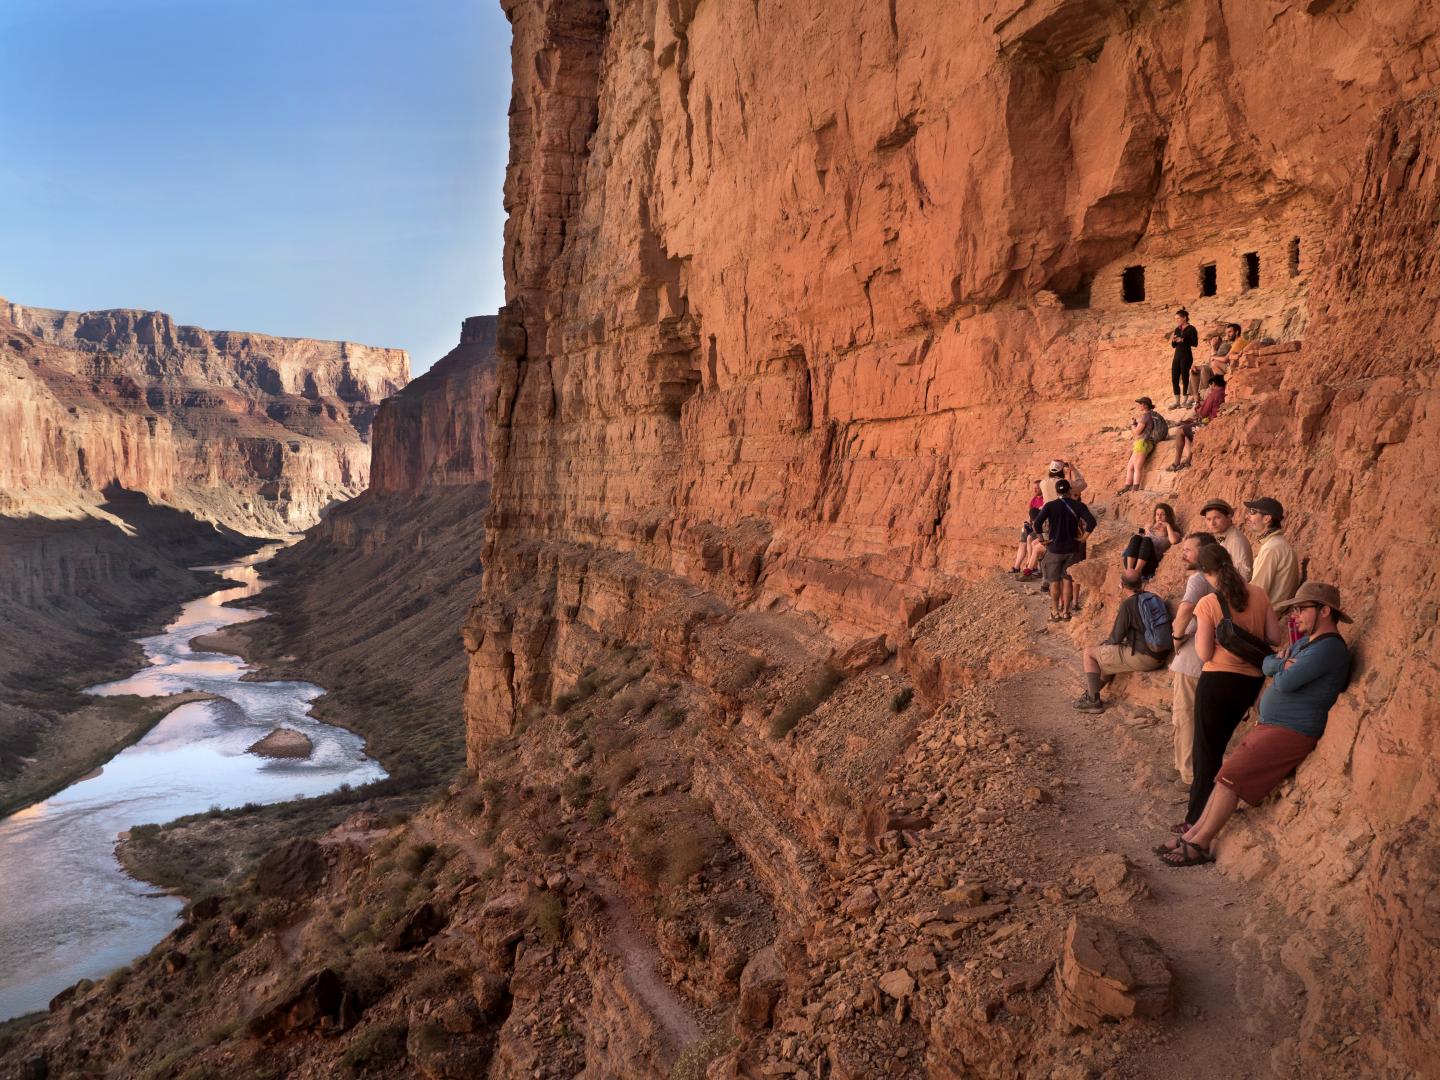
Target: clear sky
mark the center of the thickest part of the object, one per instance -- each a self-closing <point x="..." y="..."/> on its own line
<point x="314" y="168"/>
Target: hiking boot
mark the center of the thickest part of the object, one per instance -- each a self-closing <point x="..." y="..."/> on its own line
<point x="1089" y="704"/>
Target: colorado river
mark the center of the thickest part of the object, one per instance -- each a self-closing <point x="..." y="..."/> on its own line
<point x="67" y="910"/>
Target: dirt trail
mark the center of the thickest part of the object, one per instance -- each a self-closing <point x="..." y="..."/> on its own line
<point x="1196" y="914"/>
<point x="640" y="961"/>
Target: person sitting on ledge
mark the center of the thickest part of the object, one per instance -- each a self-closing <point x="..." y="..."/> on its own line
<point x="1146" y="549"/>
<point x="1062" y="520"/>
<point x="1139" y="641"/>
<point x="1307" y="678"/>
<point x="1205" y="371"/>
<point x="1207" y="411"/>
<point x="1144" y="428"/>
<point x="1027" y="555"/>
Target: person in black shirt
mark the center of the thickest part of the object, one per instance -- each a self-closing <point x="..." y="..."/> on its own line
<point x="1184" y="339"/>
<point x="1064" y="518"/>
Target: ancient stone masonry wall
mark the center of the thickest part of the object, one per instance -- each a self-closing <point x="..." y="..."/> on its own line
<point x="254" y="432"/>
<point x="802" y="295"/>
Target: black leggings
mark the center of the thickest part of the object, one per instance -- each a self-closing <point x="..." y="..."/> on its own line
<point x="1143" y="548"/>
<point x="1221" y="700"/>
<point x="1180" y="375"/>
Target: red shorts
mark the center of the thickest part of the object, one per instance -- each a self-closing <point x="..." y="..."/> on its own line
<point x="1264" y="757"/>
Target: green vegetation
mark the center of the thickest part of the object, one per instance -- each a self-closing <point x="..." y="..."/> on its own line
<point x="377" y="1048"/>
<point x="901" y="701"/>
<point x="696" y="1058"/>
<point x="545" y="912"/>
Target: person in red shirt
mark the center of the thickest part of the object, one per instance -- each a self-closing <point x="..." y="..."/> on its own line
<point x="1207" y="411"/>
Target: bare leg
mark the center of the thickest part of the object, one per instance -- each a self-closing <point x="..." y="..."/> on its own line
<point x="1020" y="555"/>
<point x="1067" y="591"/>
<point x="1218" y="810"/>
<point x="1055" y="587"/>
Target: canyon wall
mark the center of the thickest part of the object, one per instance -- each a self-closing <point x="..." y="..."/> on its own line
<point x="802" y="296"/>
<point x="252" y="432"/>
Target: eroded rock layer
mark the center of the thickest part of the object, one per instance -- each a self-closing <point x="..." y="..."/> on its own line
<point x="801" y="297"/>
<point x="254" y="432"/>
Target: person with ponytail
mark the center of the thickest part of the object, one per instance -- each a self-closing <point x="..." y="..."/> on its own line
<point x="1229" y="684"/>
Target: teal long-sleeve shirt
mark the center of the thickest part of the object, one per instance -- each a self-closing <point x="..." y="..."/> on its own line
<point x="1299" y="697"/>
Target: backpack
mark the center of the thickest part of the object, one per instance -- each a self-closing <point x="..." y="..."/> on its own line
<point x="1237" y="639"/>
<point x="1155" y="617"/>
<point x="1159" y="427"/>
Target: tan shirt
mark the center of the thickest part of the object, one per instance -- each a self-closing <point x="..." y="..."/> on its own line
<point x="1233" y="541"/>
<point x="1277" y="570"/>
<point x="1077" y="485"/>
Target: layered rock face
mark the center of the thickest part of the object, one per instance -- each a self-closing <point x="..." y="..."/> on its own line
<point x="801" y="299"/>
<point x="253" y="432"/>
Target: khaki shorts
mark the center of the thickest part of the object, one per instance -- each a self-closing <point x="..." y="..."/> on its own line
<point x="1118" y="659"/>
<point x="1057" y="567"/>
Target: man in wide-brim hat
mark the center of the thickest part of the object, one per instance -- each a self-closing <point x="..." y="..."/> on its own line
<point x="1307" y="677"/>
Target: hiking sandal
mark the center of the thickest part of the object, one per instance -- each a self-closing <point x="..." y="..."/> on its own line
<point x="1182" y="828"/>
<point x="1187" y="854"/>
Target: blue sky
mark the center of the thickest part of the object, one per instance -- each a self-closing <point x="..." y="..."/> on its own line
<point x="316" y="168"/>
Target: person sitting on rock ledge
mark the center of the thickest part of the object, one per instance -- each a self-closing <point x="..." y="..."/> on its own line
<point x="1207" y="411"/>
<point x="1059" y="470"/>
<point x="1203" y="373"/>
<point x="1067" y="521"/>
<point x="1139" y="641"/>
<point x="1147" y="548"/>
<point x="1307" y="678"/>
<point x="1219" y="515"/>
<point x="1027" y="555"/>
<point x="1147" y="427"/>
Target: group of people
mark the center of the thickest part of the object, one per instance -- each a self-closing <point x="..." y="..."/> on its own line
<point x="1054" y="537"/>
<point x="1198" y="385"/>
<point x="1224" y="640"/>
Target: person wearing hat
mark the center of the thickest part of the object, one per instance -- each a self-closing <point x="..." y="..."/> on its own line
<point x="1306" y="679"/>
<point x="1184" y="339"/>
<point x="1062" y="470"/>
<point x="1140" y="430"/>
<point x="1276" y="569"/>
<point x="1219" y="518"/>
<point x="1063" y="521"/>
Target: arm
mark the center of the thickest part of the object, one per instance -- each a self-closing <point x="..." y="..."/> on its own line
<point x="1183" y="614"/>
<point x="1087" y="517"/>
<point x="1041" y="518"/>
<point x="1204" y="638"/>
<point x="1273" y="633"/>
<point x="1299" y="670"/>
<point x="1120" y="629"/>
<point x="1077" y="479"/>
<point x="1263" y="574"/>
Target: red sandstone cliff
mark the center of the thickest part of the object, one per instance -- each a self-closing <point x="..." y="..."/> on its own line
<point x="801" y="297"/>
<point x="255" y="432"/>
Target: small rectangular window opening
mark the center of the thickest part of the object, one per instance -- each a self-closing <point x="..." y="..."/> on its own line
<point x="1132" y="284"/>
<point x="1252" y="269"/>
<point x="1207" y="280"/>
<point x="1295" y="257"/>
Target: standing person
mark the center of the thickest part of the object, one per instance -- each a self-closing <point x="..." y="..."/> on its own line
<point x="1065" y="519"/>
<point x="1183" y="339"/>
<point x="1139" y="641"/>
<point x="1276" y="570"/>
<point x="1308" y="677"/>
<point x="1219" y="516"/>
<point x="1186" y="665"/>
<point x="1143" y="427"/>
<point x="1062" y="470"/>
<point x="1229" y="682"/>
<point x="1026" y="554"/>
<point x="1147" y="548"/>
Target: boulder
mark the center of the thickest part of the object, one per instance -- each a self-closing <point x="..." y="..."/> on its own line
<point x="1114" y="877"/>
<point x="283" y="742"/>
<point x="319" y="1001"/>
<point x="761" y="984"/>
<point x="291" y="870"/>
<point x="417" y="926"/>
<point x="1111" y="972"/>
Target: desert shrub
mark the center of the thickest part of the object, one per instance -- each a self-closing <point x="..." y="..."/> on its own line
<point x="620" y="770"/>
<point x="577" y="789"/>
<point x="741" y="675"/>
<point x="599" y="808"/>
<point x="376" y="1048"/>
<point x="564" y="702"/>
<point x="901" y="701"/>
<point x="116" y="979"/>
<point x="695" y="1059"/>
<point x="416" y="856"/>
<point x="550" y="842"/>
<point x="671" y="717"/>
<point x="545" y="912"/>
<point x="431" y="1038"/>
<point x="806" y="700"/>
<point x="671" y="847"/>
